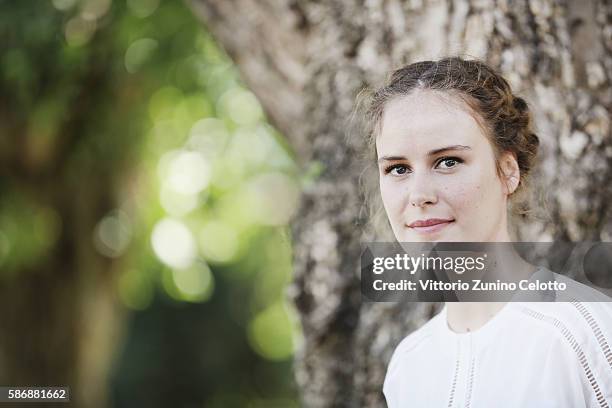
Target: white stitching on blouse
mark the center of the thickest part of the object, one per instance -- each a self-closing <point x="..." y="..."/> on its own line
<point x="577" y="349"/>
<point x="451" y="397"/>
<point x="468" y="397"/>
<point x="601" y="338"/>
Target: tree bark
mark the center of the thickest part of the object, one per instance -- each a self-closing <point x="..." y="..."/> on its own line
<point x="307" y="61"/>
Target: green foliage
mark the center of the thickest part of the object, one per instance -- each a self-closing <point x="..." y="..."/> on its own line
<point x="28" y="232"/>
<point x="131" y="106"/>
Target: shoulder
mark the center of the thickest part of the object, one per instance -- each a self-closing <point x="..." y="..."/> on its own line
<point x="584" y="322"/>
<point x="418" y="337"/>
<point x="409" y="353"/>
<point x="415" y="342"/>
<point x="580" y="313"/>
<point x="576" y="291"/>
<point x="579" y="335"/>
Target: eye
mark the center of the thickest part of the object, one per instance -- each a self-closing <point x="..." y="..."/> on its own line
<point x="397" y="169"/>
<point x="448" y="162"/>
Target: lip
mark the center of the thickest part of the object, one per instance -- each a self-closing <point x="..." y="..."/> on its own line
<point x="430" y="225"/>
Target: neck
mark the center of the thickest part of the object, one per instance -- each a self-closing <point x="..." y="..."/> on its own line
<point x="465" y="317"/>
<point x="470" y="316"/>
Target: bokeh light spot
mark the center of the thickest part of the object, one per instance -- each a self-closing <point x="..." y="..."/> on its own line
<point x="94" y="9"/>
<point x="113" y="234"/>
<point x="78" y="31"/>
<point x="163" y="102"/>
<point x="208" y="136"/>
<point x="270" y="333"/>
<point x="176" y="203"/>
<point x="195" y="284"/>
<point x="173" y="243"/>
<point x="138" y="53"/>
<point x="184" y="171"/>
<point x="63" y="5"/>
<point x="218" y="241"/>
<point x="241" y="106"/>
<point x="142" y="8"/>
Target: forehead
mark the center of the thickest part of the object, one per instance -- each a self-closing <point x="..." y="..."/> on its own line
<point x="426" y="120"/>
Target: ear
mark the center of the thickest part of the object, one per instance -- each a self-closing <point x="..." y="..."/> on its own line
<point x="510" y="172"/>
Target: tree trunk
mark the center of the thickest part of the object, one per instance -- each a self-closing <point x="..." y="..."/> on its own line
<point x="307" y="61"/>
<point x="61" y="317"/>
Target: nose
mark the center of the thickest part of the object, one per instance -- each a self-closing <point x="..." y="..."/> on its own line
<point x="422" y="191"/>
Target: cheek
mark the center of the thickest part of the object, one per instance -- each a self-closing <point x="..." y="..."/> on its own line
<point x="393" y="198"/>
<point x="477" y="193"/>
<point x="466" y="194"/>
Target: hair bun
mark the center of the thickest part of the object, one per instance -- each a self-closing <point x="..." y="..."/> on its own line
<point x="533" y="140"/>
<point x="520" y="104"/>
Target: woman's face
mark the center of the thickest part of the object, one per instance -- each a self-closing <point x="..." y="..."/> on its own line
<point x="438" y="177"/>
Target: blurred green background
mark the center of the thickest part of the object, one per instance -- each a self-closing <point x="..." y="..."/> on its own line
<point x="132" y="154"/>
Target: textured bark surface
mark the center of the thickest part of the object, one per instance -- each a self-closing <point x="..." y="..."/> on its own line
<point x="308" y="60"/>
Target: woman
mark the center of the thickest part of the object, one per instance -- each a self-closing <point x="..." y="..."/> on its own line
<point x="454" y="145"/>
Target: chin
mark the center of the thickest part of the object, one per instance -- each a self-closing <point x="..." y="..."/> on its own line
<point x="446" y="235"/>
<point x="432" y="238"/>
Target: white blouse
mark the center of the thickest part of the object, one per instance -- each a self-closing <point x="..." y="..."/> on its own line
<point x="528" y="355"/>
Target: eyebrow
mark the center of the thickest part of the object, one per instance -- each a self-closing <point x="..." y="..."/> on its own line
<point x="430" y="153"/>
